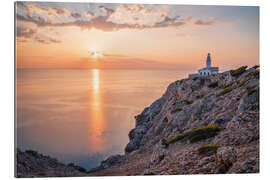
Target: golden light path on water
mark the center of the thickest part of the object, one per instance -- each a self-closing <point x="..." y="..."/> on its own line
<point x="97" y="124"/>
<point x="95" y="80"/>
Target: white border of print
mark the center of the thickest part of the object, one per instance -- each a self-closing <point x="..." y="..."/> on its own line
<point x="7" y="87"/>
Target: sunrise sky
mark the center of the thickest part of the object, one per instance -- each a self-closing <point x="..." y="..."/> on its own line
<point x="133" y="36"/>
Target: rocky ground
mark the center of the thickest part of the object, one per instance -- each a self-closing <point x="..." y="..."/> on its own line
<point x="33" y="164"/>
<point x="199" y="126"/>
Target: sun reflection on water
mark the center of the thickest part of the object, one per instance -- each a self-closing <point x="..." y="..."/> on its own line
<point x="96" y="80"/>
<point x="97" y="125"/>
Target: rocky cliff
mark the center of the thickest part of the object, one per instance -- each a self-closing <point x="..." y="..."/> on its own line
<point x="199" y="126"/>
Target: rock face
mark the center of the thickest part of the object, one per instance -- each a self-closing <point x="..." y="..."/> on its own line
<point x="33" y="164"/>
<point x="143" y="123"/>
<point x="169" y="134"/>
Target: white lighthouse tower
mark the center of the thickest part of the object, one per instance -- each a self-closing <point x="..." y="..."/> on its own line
<point x="208" y="70"/>
<point x="208" y="61"/>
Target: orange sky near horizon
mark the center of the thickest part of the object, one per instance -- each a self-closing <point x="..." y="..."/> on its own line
<point x="59" y="35"/>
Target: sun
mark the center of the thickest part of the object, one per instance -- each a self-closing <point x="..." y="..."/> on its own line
<point x="95" y="54"/>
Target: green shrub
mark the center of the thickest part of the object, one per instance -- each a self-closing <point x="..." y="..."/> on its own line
<point x="164" y="142"/>
<point x="251" y="91"/>
<point x="242" y="83"/>
<point x="195" y="134"/>
<point x="199" y="96"/>
<point x="187" y="101"/>
<point x="177" y="109"/>
<point x="208" y="149"/>
<point x="204" y="132"/>
<point x="238" y="71"/>
<point x="225" y="91"/>
<point x="228" y="85"/>
<point x="33" y="153"/>
<point x="173" y="139"/>
<point x="209" y="95"/>
<point x="253" y="73"/>
<point x="213" y="84"/>
<point x="161" y="157"/>
<point x="237" y="81"/>
<point x="256" y="66"/>
<point x="219" y="121"/>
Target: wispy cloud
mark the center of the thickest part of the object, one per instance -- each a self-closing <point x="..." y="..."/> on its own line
<point x="208" y="22"/>
<point x="25" y="32"/>
<point x="47" y="40"/>
<point x="76" y="15"/>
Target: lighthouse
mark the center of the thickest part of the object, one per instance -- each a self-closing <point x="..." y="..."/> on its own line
<point x="207" y="70"/>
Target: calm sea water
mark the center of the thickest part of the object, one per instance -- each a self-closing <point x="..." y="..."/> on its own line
<point x="82" y="116"/>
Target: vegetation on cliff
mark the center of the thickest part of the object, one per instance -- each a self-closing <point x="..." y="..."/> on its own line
<point x="195" y="134"/>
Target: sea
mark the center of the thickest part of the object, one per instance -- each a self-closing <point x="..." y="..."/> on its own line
<point x="83" y="116"/>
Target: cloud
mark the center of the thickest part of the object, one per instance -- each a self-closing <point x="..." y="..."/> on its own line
<point x="113" y="20"/>
<point x="210" y="21"/>
<point x="39" y="21"/>
<point x="32" y="8"/>
<point x="129" y="16"/>
<point x="25" y="32"/>
<point x="46" y="40"/>
<point x="170" y="22"/>
<point x="90" y="14"/>
<point x="108" y="11"/>
<point x="134" y="8"/>
<point x="76" y="15"/>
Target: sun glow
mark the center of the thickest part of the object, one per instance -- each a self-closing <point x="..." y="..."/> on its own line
<point x="94" y="53"/>
<point x="97" y="55"/>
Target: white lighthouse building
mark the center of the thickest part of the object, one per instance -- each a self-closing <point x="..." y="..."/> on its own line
<point x="206" y="71"/>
